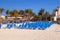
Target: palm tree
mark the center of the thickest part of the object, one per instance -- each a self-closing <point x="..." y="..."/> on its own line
<point x="1" y="10"/>
<point x="41" y="14"/>
<point x="21" y="12"/>
<point x="1" y="19"/>
<point x="47" y="15"/>
<point x="30" y="14"/>
<point x="33" y="16"/>
<point x="15" y="13"/>
<point x="9" y="13"/>
<point x="28" y="11"/>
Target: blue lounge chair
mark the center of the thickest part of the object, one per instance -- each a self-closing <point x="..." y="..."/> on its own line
<point x="14" y="25"/>
<point x="5" y="22"/>
<point x="23" y="26"/>
<point x="0" y="25"/>
<point x="10" y="25"/>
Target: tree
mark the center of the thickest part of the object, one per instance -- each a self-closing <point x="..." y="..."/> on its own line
<point x="47" y="16"/>
<point x="33" y="17"/>
<point x="15" y="13"/>
<point x="21" y="12"/>
<point x="9" y="13"/>
<point x="1" y="10"/>
<point x="41" y="14"/>
<point x="28" y="11"/>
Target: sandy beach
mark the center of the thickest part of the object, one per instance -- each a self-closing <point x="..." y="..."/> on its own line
<point x="52" y="33"/>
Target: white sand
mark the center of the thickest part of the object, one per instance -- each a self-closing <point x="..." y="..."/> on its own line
<point x="54" y="27"/>
<point x="25" y="34"/>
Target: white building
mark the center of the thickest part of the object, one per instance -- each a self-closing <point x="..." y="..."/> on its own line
<point x="57" y="14"/>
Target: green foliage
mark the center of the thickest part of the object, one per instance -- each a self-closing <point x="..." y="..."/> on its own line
<point x="1" y="10"/>
<point x="15" y="13"/>
<point x="41" y="12"/>
<point x="21" y="12"/>
<point x="28" y="11"/>
<point x="47" y="16"/>
<point x="7" y="12"/>
<point x="42" y="15"/>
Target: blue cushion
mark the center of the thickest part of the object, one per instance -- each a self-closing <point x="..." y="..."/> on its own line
<point x="0" y="25"/>
<point x="10" y="25"/>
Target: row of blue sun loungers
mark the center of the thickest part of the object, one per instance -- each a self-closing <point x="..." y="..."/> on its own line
<point x="30" y="25"/>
